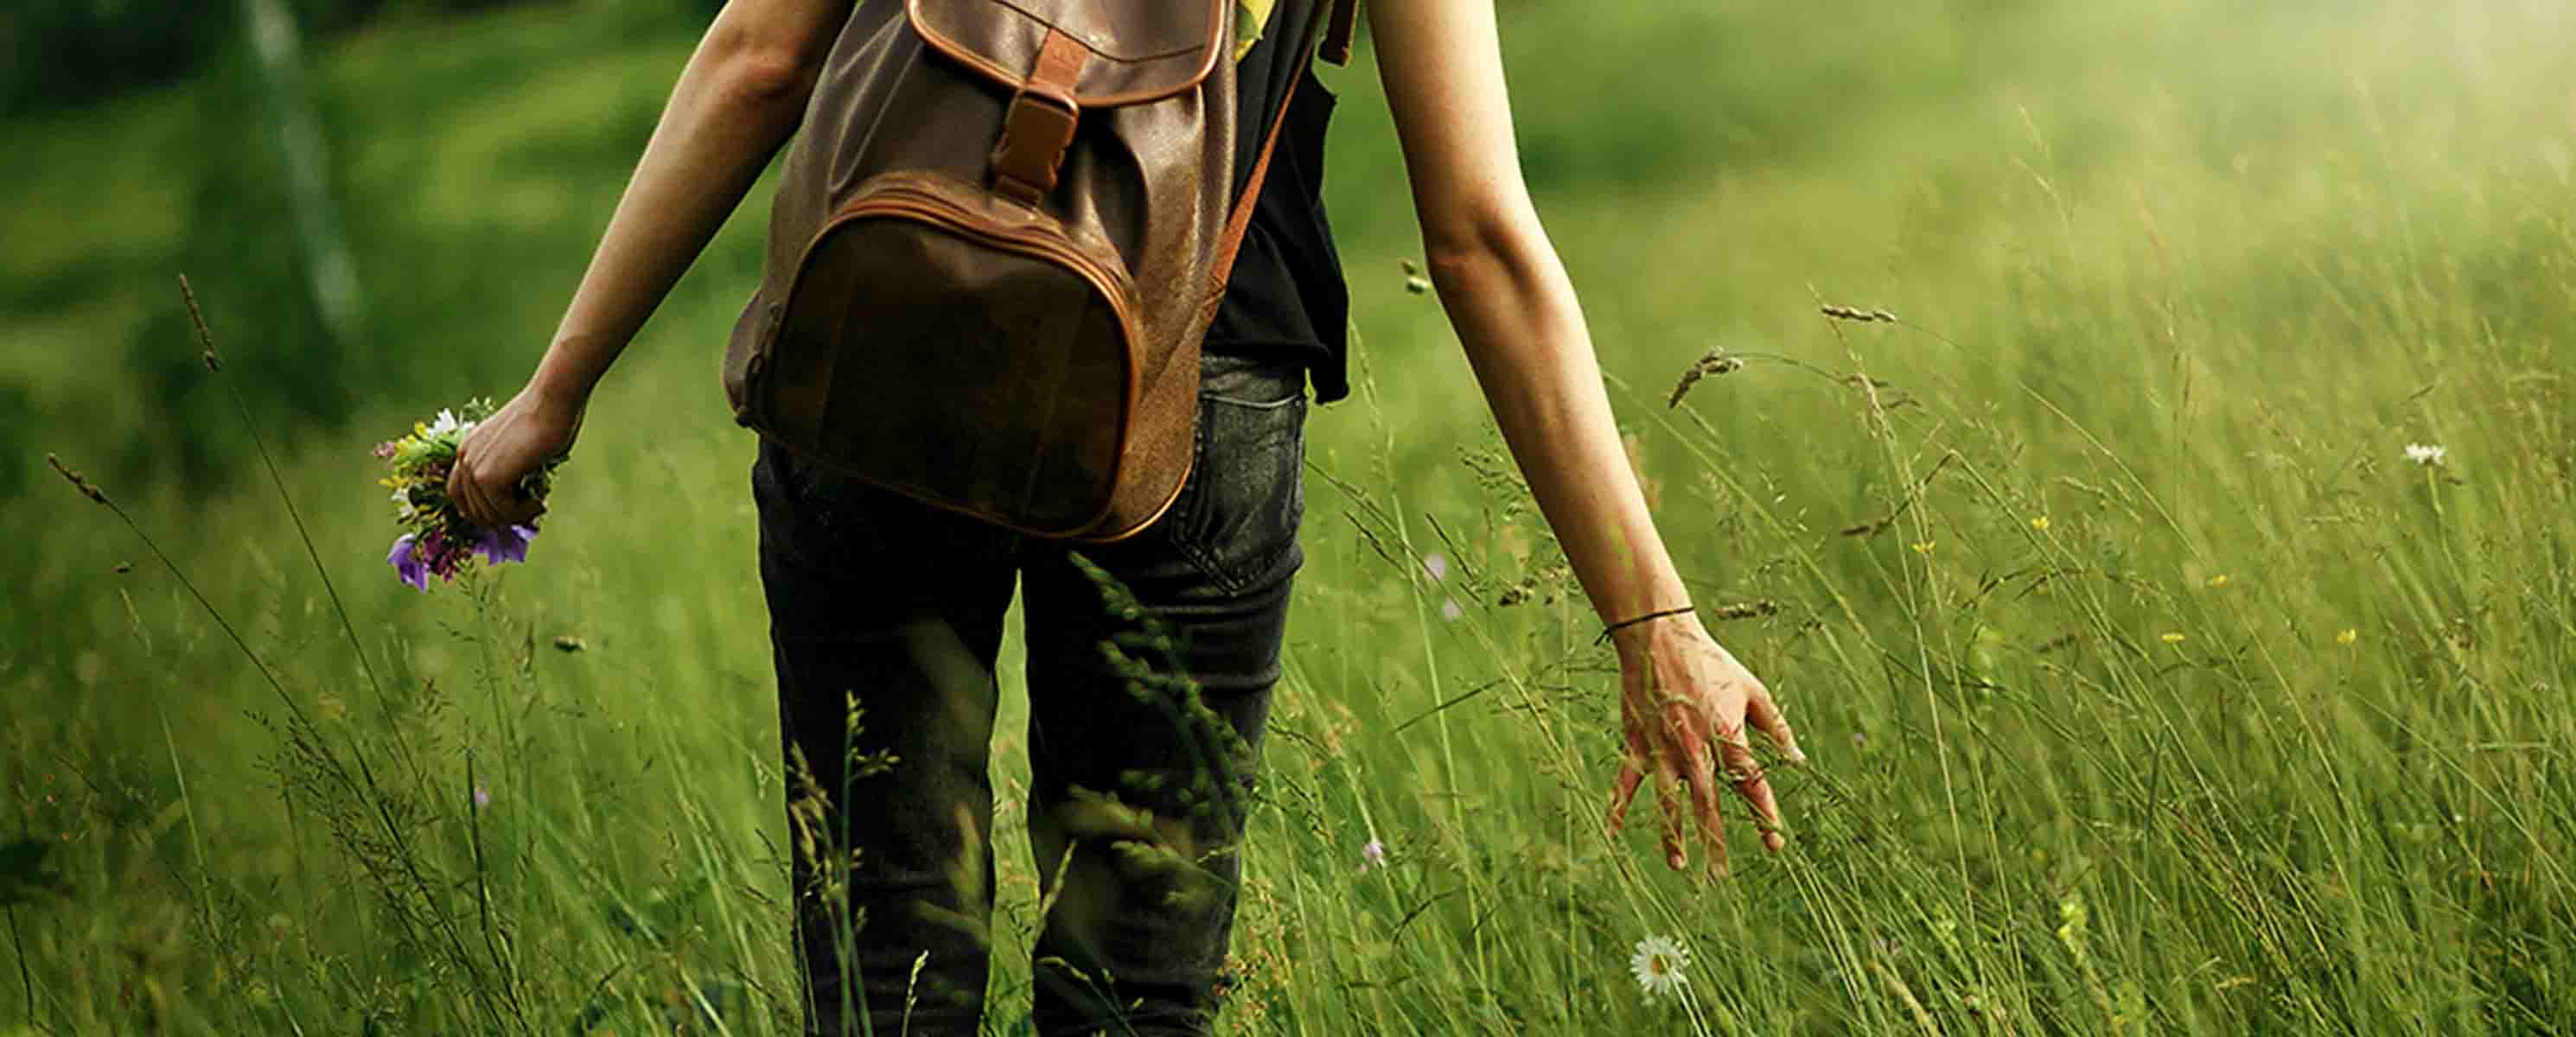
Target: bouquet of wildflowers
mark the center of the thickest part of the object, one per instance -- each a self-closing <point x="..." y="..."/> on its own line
<point x="437" y="539"/>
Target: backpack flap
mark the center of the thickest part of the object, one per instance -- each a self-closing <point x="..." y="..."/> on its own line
<point x="1132" y="53"/>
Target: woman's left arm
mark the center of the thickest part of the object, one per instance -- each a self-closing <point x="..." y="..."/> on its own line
<point x="740" y="97"/>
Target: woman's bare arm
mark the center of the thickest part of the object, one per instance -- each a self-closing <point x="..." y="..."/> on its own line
<point x="739" y="98"/>
<point x="1514" y="308"/>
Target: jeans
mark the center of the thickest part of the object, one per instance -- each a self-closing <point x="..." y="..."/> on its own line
<point x="1146" y="708"/>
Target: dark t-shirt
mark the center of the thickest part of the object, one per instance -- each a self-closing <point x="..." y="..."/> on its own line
<point x="1286" y="300"/>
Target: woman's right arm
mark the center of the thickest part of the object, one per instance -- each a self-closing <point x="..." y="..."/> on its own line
<point x="1684" y="699"/>
<point x="740" y="97"/>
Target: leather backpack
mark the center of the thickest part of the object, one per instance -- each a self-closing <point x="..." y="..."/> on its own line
<point x="998" y="241"/>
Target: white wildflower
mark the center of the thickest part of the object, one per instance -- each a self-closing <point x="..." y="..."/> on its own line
<point x="1373" y="855"/>
<point x="1658" y="963"/>
<point x="445" y="424"/>
<point x="1450" y="610"/>
<point x="2424" y="454"/>
<point x="1436" y="566"/>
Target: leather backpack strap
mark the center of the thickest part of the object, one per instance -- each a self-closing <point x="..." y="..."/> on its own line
<point x="1241" y="221"/>
<point x="1337" y="49"/>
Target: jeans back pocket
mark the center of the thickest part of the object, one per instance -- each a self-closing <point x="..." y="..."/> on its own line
<point x="1237" y="518"/>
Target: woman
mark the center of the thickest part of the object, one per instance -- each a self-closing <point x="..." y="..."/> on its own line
<point x="887" y="613"/>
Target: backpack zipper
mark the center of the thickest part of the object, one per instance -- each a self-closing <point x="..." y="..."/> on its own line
<point x="903" y="199"/>
<point x="899" y="198"/>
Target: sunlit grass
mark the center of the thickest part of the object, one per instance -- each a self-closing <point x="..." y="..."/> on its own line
<point x="2150" y="686"/>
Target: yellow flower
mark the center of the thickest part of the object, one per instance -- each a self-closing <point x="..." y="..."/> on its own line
<point x="2173" y="638"/>
<point x="2040" y="523"/>
<point x="2219" y="580"/>
<point x="2348" y="636"/>
<point x="1925" y="547"/>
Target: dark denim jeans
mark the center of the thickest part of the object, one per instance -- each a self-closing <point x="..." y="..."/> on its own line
<point x="1145" y="722"/>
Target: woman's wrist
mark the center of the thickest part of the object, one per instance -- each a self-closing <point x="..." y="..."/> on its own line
<point x="1616" y="628"/>
<point x="560" y="385"/>
<point x="1638" y="643"/>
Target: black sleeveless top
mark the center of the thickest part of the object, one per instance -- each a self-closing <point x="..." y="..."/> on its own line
<point x="1286" y="300"/>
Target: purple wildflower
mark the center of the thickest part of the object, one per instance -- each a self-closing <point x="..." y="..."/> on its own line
<point x="506" y="544"/>
<point x="1450" y="610"/>
<point x="1435" y="566"/>
<point x="1373" y="855"/>
<point x="482" y="797"/>
<point x="441" y="553"/>
<point x="385" y="450"/>
<point x="407" y="563"/>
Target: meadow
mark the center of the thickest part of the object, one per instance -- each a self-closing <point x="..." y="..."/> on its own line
<point x="2049" y="456"/>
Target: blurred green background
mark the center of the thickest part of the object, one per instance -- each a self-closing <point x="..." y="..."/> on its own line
<point x="2151" y="687"/>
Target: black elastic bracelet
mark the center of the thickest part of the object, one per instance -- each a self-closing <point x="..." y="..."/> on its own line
<point x="1616" y="627"/>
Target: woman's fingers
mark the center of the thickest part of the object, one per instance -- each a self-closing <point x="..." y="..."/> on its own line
<point x="1746" y="774"/>
<point x="462" y="490"/>
<point x="485" y="498"/>
<point x="1704" y="797"/>
<point x="1669" y="793"/>
<point x="517" y="506"/>
<point x="487" y="511"/>
<point x="1764" y="712"/>
<point x="1632" y="773"/>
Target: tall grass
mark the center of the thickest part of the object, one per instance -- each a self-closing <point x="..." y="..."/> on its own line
<point x="2149" y="686"/>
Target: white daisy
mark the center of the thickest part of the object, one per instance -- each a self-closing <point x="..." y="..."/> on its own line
<point x="2424" y="454"/>
<point x="445" y="424"/>
<point x="1658" y="963"/>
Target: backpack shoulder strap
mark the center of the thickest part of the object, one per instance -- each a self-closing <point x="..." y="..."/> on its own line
<point x="1338" y="28"/>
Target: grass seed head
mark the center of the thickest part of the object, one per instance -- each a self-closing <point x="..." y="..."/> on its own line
<point x="205" y="336"/>
<point x="1713" y="362"/>
<point x="1854" y="313"/>
<point x="1746" y="610"/>
<point x="78" y="483"/>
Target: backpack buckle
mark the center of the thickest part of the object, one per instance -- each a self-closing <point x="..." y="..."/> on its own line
<point x="1038" y="127"/>
<point x="1036" y="133"/>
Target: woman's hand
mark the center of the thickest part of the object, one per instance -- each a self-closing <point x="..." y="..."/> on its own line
<point x="1686" y="702"/>
<point x="533" y="428"/>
